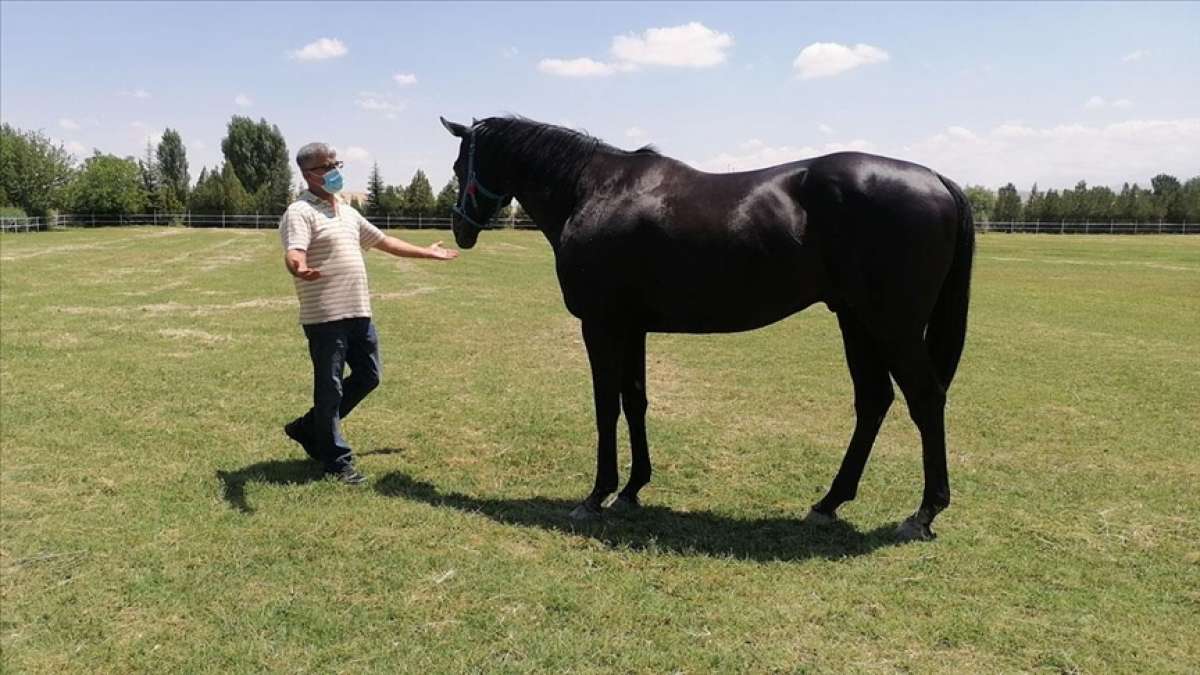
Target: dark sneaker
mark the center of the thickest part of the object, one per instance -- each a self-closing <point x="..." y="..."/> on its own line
<point x="295" y="431"/>
<point x="347" y="474"/>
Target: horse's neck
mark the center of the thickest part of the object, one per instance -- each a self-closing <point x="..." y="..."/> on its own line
<point x="549" y="204"/>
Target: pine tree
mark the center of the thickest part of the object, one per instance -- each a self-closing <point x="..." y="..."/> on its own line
<point x="418" y="197"/>
<point x="375" y="190"/>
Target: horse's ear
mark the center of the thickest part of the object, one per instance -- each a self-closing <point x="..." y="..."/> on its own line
<point x="453" y="127"/>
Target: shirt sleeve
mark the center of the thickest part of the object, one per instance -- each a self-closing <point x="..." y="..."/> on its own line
<point x="368" y="234"/>
<point x="295" y="230"/>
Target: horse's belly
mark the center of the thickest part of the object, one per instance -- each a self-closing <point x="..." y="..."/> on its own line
<point x="715" y="321"/>
<point x="727" y="304"/>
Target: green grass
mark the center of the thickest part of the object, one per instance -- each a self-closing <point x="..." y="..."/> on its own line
<point x="154" y="517"/>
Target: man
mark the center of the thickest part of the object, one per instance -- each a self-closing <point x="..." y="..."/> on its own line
<point x="323" y="240"/>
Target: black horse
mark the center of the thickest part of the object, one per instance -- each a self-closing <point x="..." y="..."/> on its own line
<point x="643" y="242"/>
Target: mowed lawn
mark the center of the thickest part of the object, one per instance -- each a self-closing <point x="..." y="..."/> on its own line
<point x="153" y="517"/>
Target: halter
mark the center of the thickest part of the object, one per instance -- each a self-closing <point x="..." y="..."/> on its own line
<point x="474" y="188"/>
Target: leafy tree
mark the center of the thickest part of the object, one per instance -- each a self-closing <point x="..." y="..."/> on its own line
<point x="33" y="171"/>
<point x="148" y="170"/>
<point x="393" y="201"/>
<point x="1008" y="204"/>
<point x="1169" y="195"/>
<point x="982" y="202"/>
<point x="447" y="198"/>
<point x="221" y="192"/>
<point x="1052" y="210"/>
<point x="1191" y="200"/>
<point x="173" y="171"/>
<point x="418" y="197"/>
<point x="1099" y="204"/>
<point x="108" y="184"/>
<point x="258" y="155"/>
<point x="1033" y="205"/>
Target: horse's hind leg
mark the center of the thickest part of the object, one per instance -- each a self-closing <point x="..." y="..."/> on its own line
<point x="926" y="397"/>
<point x="872" y="397"/>
<point x="604" y="345"/>
<point x="634" y="402"/>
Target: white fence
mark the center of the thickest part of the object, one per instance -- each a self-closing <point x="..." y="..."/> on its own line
<point x="245" y="221"/>
<point x="256" y="221"/>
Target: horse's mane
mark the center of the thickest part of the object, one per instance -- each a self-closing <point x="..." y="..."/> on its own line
<point x="548" y="149"/>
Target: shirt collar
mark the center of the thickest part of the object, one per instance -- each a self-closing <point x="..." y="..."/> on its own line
<point x="308" y="196"/>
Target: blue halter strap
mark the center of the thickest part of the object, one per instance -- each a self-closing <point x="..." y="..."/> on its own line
<point x="473" y="188"/>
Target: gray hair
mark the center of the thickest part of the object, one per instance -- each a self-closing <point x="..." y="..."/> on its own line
<point x="313" y="151"/>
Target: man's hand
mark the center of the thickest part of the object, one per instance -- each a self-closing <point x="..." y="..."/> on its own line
<point x="296" y="262"/>
<point x="438" y="253"/>
<point x="307" y="273"/>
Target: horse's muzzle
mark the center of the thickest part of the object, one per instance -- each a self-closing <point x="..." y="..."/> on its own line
<point x="465" y="234"/>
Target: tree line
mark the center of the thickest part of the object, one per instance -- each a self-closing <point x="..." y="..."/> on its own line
<point x="39" y="177"/>
<point x="1165" y="201"/>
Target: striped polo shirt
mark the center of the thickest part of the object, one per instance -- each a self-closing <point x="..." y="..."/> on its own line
<point x="334" y="240"/>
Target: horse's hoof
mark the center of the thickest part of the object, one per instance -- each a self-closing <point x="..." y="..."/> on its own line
<point x="815" y="517"/>
<point x="623" y="506"/>
<point x="912" y="530"/>
<point x="586" y="513"/>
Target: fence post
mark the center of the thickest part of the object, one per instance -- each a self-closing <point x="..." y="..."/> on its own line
<point x="222" y="220"/>
<point x="93" y="219"/>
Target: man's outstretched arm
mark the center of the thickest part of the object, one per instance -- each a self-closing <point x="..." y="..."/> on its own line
<point x="403" y="249"/>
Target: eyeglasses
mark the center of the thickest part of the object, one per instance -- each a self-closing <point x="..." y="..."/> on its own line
<point x="326" y="167"/>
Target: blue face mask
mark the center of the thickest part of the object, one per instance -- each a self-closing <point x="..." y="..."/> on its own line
<point x="333" y="182"/>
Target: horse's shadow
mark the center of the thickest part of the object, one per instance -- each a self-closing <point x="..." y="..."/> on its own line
<point x="657" y="528"/>
<point x="275" y="472"/>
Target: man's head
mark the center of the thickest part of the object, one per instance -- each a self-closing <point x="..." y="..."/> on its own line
<point x="320" y="168"/>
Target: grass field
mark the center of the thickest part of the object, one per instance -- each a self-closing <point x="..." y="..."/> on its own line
<point x="154" y="517"/>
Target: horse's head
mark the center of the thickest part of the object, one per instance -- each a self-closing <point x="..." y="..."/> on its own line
<point x="476" y="204"/>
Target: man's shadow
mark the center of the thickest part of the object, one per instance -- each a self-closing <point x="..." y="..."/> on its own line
<point x="657" y="528"/>
<point x="276" y="472"/>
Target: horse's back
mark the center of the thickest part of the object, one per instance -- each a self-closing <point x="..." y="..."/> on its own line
<point x="688" y="251"/>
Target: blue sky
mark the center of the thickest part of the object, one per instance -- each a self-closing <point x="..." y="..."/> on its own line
<point x="983" y="92"/>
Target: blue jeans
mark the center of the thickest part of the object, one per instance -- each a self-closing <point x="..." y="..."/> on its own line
<point x="333" y="346"/>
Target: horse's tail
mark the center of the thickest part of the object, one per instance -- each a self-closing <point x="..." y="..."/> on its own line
<point x="947" y="330"/>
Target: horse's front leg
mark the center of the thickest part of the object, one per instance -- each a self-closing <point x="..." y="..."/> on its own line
<point x="603" y="341"/>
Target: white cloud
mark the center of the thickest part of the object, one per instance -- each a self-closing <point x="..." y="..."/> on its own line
<point x="755" y="154"/>
<point x="825" y="129"/>
<point x="692" y="45"/>
<point x="243" y="100"/>
<point x="68" y="124"/>
<point x="375" y="102"/>
<point x="75" y="147"/>
<point x="581" y="67"/>
<point x="135" y="93"/>
<point x="961" y="132"/>
<point x="1059" y="156"/>
<point x="198" y="146"/>
<point x="1135" y="55"/>
<point x="356" y="154"/>
<point x="635" y="133"/>
<point x="1097" y="102"/>
<point x="509" y="52"/>
<point x="825" y="59"/>
<point x="405" y="79"/>
<point x="324" y="48"/>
